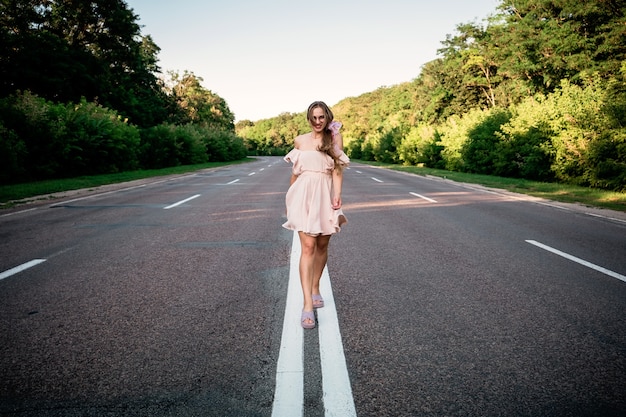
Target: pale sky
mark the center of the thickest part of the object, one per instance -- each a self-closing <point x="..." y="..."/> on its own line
<point x="273" y="56"/>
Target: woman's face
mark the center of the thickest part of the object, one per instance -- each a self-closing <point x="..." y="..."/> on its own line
<point x="318" y="120"/>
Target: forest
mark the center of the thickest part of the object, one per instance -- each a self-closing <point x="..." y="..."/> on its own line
<point x="81" y="93"/>
<point x="536" y="90"/>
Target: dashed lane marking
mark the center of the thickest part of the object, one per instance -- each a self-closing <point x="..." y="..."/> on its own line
<point x="424" y="197"/>
<point x="20" y="268"/>
<point x="578" y="260"/>
<point x="181" y="202"/>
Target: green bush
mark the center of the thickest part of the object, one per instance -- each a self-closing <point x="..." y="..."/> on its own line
<point x="169" y="145"/>
<point x="414" y="147"/>
<point x="158" y="147"/>
<point x="354" y="149"/>
<point x="47" y="140"/>
<point x="482" y="146"/>
<point x="607" y="161"/>
<point x="13" y="154"/>
<point x="97" y="141"/>
<point x="38" y="125"/>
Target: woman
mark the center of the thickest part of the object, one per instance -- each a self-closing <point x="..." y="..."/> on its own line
<point x="314" y="200"/>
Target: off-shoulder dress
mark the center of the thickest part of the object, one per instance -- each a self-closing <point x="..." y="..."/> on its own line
<point x="309" y="199"/>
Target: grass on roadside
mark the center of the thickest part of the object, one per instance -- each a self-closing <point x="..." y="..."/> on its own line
<point x="13" y="194"/>
<point x="552" y="191"/>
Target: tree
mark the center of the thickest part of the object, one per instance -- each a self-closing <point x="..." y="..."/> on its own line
<point x="545" y="41"/>
<point x="199" y="105"/>
<point x="66" y="50"/>
<point x="469" y="54"/>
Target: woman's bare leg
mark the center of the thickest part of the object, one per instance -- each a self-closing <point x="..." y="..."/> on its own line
<point x="307" y="259"/>
<point x="319" y="261"/>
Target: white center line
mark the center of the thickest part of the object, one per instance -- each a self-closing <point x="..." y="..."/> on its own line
<point x="578" y="260"/>
<point x="181" y="202"/>
<point x="289" y="394"/>
<point x="376" y="179"/>
<point x="252" y="173"/>
<point x="424" y="197"/>
<point x="337" y="392"/>
<point x="232" y="182"/>
<point x="20" y="268"/>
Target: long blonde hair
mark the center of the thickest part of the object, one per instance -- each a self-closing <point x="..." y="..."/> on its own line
<point x="327" y="145"/>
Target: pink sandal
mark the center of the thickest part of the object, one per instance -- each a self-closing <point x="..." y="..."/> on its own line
<point x="318" y="301"/>
<point x="307" y="319"/>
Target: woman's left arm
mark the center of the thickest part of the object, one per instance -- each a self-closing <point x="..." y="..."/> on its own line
<point x="338" y="141"/>
<point x="337" y="184"/>
<point x="337" y="173"/>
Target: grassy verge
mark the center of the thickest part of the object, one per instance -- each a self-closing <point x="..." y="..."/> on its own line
<point x="552" y="191"/>
<point x="10" y="195"/>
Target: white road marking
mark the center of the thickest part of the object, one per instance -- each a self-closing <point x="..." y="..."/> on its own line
<point x="232" y="182"/>
<point x="18" y="212"/>
<point x="181" y="202"/>
<point x="96" y="195"/>
<point x="605" y="217"/>
<point x="289" y="394"/>
<point x="578" y="260"/>
<point x="337" y="392"/>
<point x="20" y="268"/>
<point x="252" y="173"/>
<point x="424" y="197"/>
<point x="376" y="179"/>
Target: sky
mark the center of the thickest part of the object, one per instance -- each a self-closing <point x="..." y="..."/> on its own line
<point x="274" y="56"/>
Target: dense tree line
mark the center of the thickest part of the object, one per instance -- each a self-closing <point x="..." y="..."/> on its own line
<point x="81" y="93"/>
<point x="537" y="90"/>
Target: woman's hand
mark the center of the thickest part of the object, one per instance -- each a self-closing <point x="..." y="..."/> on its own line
<point x="336" y="202"/>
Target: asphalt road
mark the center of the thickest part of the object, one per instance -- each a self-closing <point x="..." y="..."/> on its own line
<point x="168" y="297"/>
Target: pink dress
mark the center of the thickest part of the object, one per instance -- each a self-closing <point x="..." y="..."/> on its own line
<point x="309" y="202"/>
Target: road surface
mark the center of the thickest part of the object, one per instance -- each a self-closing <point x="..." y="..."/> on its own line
<point x="179" y="296"/>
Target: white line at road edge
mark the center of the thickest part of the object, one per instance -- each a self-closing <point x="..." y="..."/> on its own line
<point x="289" y="395"/>
<point x="20" y="268"/>
<point x="578" y="260"/>
<point x="181" y="202"/>
<point x="59" y="204"/>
